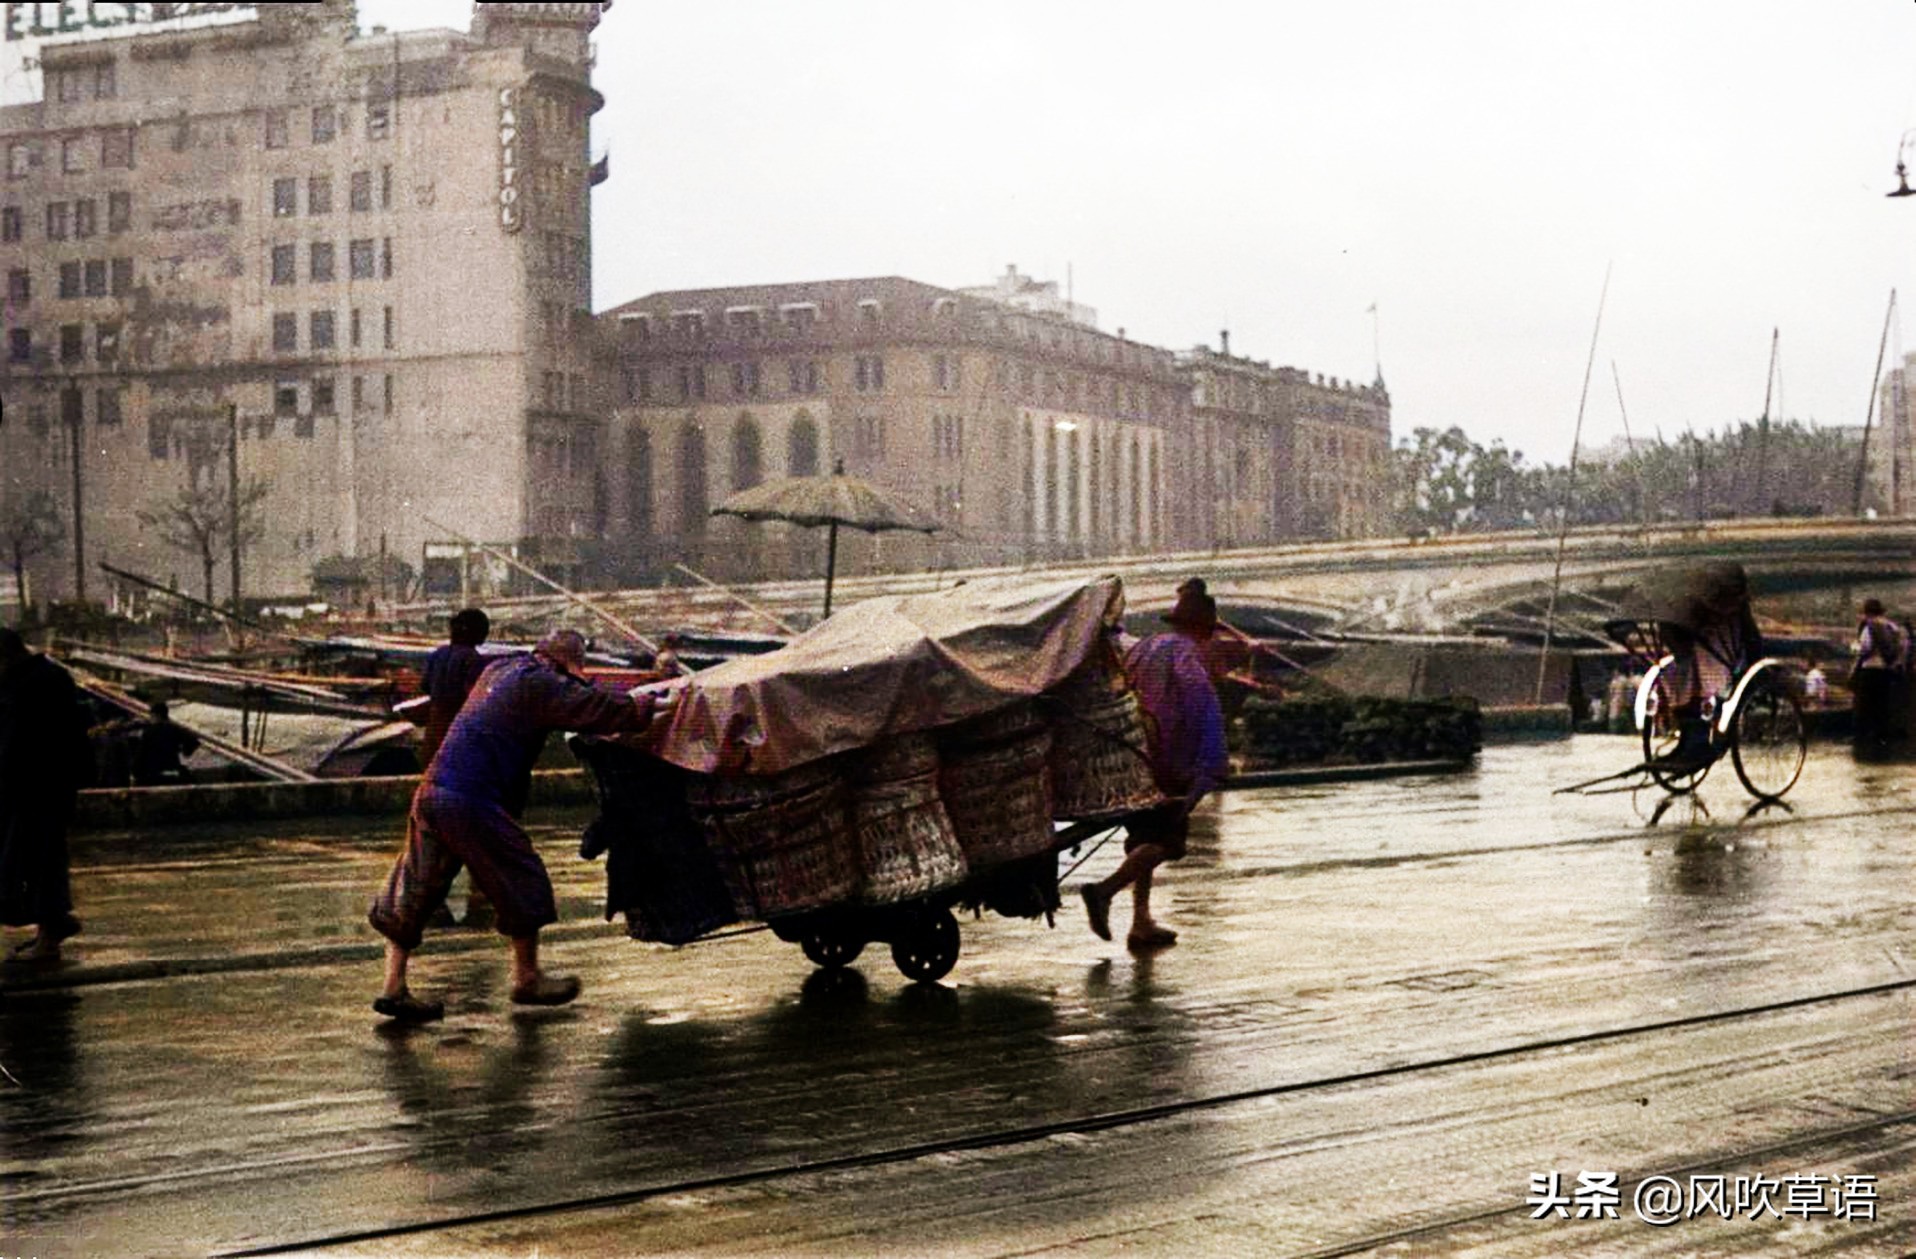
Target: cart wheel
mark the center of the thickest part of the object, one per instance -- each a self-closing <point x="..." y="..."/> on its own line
<point x="831" y="949"/>
<point x="1768" y="741"/>
<point x="929" y="950"/>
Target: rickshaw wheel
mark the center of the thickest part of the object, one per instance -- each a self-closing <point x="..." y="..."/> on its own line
<point x="1659" y="742"/>
<point x="928" y="951"/>
<point x="1769" y="740"/>
<point x="830" y="949"/>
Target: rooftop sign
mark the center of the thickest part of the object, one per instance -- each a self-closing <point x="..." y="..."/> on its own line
<point x="41" y="19"/>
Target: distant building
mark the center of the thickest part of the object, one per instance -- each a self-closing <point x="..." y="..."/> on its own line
<point x="375" y="247"/>
<point x="1029" y="436"/>
<point x="1038" y="297"/>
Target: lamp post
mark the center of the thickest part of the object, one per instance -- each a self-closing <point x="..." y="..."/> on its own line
<point x="1902" y="170"/>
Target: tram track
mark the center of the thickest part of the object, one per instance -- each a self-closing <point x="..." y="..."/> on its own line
<point x="1132" y="1117"/>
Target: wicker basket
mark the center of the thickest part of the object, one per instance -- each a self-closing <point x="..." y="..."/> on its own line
<point x="1011" y="722"/>
<point x="905" y="841"/>
<point x="998" y="796"/>
<point x="784" y="845"/>
<point x="1098" y="758"/>
<point x="902" y="756"/>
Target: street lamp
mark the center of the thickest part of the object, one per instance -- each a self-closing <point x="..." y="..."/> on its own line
<point x="1902" y="170"/>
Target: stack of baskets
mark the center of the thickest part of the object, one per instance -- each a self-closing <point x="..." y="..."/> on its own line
<point x="905" y="843"/>
<point x="995" y="777"/>
<point x="781" y="841"/>
<point x="1100" y="763"/>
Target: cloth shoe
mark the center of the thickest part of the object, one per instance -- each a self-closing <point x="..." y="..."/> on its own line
<point x="548" y="990"/>
<point x="406" y="1008"/>
<point x="1097" y="908"/>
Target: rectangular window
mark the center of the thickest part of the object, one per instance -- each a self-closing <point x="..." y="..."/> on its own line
<point x="645" y="384"/>
<point x="385" y="187"/>
<point x="285" y="264"/>
<point x="352" y="324"/>
<point x="286" y="398"/>
<point x="96" y="277"/>
<point x="285" y="198"/>
<point x="320" y="261"/>
<point x="285" y="334"/>
<point x="119" y="212"/>
<point x="359" y="394"/>
<point x="389" y="393"/>
<point x="323" y="403"/>
<point x="359" y="259"/>
<point x="86" y="218"/>
<point x="390" y="335"/>
<point x="19" y="286"/>
<point x="69" y="279"/>
<point x="386" y="258"/>
<point x="106" y="408"/>
<point x="276" y="129"/>
<point x="158" y="436"/>
<point x="73" y="155"/>
<point x="106" y="81"/>
<point x="116" y="149"/>
<point x="319" y="194"/>
<point x="325" y="124"/>
<point x="56" y="220"/>
<point x="66" y="86"/>
<point x="19" y="345"/>
<point x="379" y="119"/>
<point x="321" y="330"/>
<point x="72" y="342"/>
<point x="106" y="342"/>
<point x="12" y="224"/>
<point x="122" y="279"/>
<point x="359" y="192"/>
<point x="20" y="160"/>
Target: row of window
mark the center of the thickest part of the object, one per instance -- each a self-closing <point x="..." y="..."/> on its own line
<point x="72" y="343"/>
<point x="322" y="330"/>
<point x="366" y="259"/>
<point x="110" y="149"/>
<point x="360" y="193"/>
<point x="563" y="392"/>
<point x="78" y="219"/>
<point x="325" y="122"/>
<point x="802" y="377"/>
<point x="99" y="82"/>
<point x="108" y="409"/>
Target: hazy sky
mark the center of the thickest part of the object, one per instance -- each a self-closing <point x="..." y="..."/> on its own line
<point x="1275" y="167"/>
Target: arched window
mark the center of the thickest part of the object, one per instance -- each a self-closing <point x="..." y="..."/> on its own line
<point x="692" y="501"/>
<point x="638" y="483"/>
<point x="801" y="447"/>
<point x="748" y="466"/>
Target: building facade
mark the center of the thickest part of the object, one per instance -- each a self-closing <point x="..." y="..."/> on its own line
<point x="1891" y="481"/>
<point x="363" y="257"/>
<point x="1029" y="436"/>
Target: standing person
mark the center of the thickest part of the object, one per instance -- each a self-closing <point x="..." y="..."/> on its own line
<point x="1880" y="652"/>
<point x="44" y="760"/>
<point x="451" y="672"/>
<point x="465" y="813"/>
<point x="667" y="661"/>
<point x="1816" y="685"/>
<point x="158" y="746"/>
<point x="1187" y="758"/>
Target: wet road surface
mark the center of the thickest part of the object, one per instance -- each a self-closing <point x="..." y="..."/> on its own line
<point x="1394" y="1003"/>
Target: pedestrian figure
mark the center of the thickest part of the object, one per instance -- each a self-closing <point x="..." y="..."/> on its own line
<point x="1187" y="759"/>
<point x="1876" y="677"/>
<point x="667" y="661"/>
<point x="1619" y="697"/>
<point x="452" y="670"/>
<point x="1816" y="685"/>
<point x="466" y="809"/>
<point x="158" y="746"/>
<point x="45" y="759"/>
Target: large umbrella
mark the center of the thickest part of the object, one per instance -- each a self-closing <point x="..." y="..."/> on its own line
<point x="835" y="501"/>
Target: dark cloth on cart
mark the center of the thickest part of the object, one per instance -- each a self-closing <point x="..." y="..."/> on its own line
<point x="659" y="871"/>
<point x="466" y="808"/>
<point x="45" y="758"/>
<point x="452" y="671"/>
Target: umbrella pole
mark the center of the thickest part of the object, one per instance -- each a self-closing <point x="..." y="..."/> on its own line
<point x="831" y="566"/>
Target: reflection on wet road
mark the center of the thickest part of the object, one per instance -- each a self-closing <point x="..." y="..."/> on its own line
<point x="1393" y="1002"/>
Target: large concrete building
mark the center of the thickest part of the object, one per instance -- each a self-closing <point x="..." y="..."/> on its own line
<point x="1030" y="436"/>
<point x="1029" y="433"/>
<point x="366" y="256"/>
<point x="1892" y="444"/>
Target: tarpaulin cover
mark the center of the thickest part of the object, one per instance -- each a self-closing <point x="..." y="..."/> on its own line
<point x="882" y="668"/>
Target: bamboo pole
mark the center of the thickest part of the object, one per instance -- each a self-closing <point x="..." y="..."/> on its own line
<point x="618" y="623"/>
<point x="784" y="625"/>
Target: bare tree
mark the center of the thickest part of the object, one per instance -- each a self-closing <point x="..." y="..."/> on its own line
<point x="28" y="527"/>
<point x="197" y="520"/>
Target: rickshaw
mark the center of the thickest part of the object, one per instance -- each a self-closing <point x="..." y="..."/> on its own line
<point x="1707" y="691"/>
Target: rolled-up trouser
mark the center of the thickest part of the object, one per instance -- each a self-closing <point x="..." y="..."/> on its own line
<point x="35" y="889"/>
<point x="444" y="832"/>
